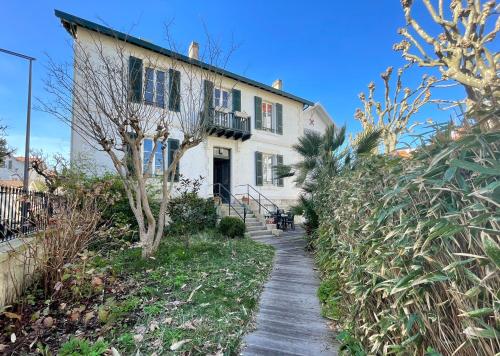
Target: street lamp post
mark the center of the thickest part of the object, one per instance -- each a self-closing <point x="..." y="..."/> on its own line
<point x="28" y="128"/>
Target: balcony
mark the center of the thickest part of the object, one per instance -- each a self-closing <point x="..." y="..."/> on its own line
<point x="229" y="125"/>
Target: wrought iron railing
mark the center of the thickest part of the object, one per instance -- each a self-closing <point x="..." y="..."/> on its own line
<point x="22" y="213"/>
<point x="225" y="197"/>
<point x="229" y="120"/>
<point x="260" y="199"/>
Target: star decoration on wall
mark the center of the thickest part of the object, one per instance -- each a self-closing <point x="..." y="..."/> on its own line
<point x="311" y="121"/>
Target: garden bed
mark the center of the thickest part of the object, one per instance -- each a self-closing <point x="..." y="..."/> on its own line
<point x="196" y="300"/>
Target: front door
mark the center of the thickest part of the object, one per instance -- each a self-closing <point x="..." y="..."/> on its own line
<point x="222" y="173"/>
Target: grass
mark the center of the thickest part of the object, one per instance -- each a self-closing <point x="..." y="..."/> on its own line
<point x="205" y="293"/>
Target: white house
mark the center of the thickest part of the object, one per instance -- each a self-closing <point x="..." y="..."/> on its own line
<point x="254" y="129"/>
<point x="12" y="173"/>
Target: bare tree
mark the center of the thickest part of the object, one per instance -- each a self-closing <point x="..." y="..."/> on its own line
<point x="461" y="50"/>
<point x="391" y="115"/>
<point x="54" y="174"/>
<point x="102" y="101"/>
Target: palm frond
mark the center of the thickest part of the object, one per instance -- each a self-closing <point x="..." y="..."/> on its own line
<point x="367" y="141"/>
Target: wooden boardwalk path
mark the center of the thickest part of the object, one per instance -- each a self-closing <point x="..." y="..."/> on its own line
<point x="288" y="321"/>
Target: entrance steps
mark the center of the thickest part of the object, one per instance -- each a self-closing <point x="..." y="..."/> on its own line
<point x="255" y="227"/>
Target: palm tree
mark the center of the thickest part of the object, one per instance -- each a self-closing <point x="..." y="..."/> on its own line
<point x="325" y="156"/>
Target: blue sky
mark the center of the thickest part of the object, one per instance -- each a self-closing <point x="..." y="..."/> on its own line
<point x="326" y="51"/>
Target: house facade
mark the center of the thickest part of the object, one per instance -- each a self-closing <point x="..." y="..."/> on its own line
<point x="12" y="174"/>
<point x="253" y="129"/>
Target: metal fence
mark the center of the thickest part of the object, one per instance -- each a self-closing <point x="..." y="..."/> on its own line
<point x="22" y="213"/>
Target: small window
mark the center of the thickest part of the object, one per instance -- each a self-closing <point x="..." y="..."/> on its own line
<point x="154" y="91"/>
<point x="267" y="116"/>
<point x="221" y="98"/>
<point x="10" y="164"/>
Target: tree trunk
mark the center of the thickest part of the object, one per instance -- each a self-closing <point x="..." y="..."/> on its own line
<point x="147" y="242"/>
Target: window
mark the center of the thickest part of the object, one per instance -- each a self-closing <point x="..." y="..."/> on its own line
<point x="268" y="163"/>
<point x="10" y="164"/>
<point x="221" y="98"/>
<point x="157" y="158"/>
<point x="266" y="169"/>
<point x="158" y="166"/>
<point x="267" y="116"/>
<point x="154" y="91"/>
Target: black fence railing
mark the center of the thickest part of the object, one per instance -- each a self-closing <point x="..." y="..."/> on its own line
<point x="229" y="120"/>
<point x="22" y="213"/>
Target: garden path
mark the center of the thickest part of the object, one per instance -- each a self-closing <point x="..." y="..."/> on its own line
<point x="288" y="321"/>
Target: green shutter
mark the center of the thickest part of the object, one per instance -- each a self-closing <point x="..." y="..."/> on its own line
<point x="258" y="168"/>
<point x="135" y="79"/>
<point x="258" y="113"/>
<point x="279" y="163"/>
<point x="173" y="145"/>
<point x="129" y="158"/>
<point x="279" y="118"/>
<point x="208" y="100"/>
<point x="174" y="86"/>
<point x="236" y="94"/>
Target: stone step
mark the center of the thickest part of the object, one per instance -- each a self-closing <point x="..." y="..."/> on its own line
<point x="260" y="233"/>
<point x="254" y="223"/>
<point x="256" y="228"/>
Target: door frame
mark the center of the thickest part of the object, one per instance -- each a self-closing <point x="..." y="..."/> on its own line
<point x="230" y="166"/>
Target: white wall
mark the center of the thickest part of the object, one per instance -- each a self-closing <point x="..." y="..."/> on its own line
<point x="15" y="173"/>
<point x="199" y="160"/>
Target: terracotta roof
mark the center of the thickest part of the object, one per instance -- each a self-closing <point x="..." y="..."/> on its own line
<point x="14" y="183"/>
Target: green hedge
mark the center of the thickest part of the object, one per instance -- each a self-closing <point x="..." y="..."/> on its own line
<point x="232" y="227"/>
<point x="190" y="213"/>
<point x="409" y="249"/>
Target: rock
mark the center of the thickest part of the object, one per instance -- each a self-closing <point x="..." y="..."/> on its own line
<point x="277" y="232"/>
<point x="48" y="322"/>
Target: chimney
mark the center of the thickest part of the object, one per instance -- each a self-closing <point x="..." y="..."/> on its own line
<point x="194" y="49"/>
<point x="278" y="84"/>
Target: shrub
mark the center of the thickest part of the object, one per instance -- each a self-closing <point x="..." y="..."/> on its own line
<point x="75" y="347"/>
<point x="188" y="212"/>
<point x="75" y="222"/>
<point x="411" y="244"/>
<point x="232" y="227"/>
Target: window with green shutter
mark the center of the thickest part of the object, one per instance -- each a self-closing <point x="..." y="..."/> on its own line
<point x="208" y="99"/>
<point x="128" y="154"/>
<point x="236" y="94"/>
<point x="258" y="113"/>
<point x="173" y="145"/>
<point x="174" y="86"/>
<point x="279" y="162"/>
<point x="279" y="118"/>
<point x="258" y="168"/>
<point x="135" y="79"/>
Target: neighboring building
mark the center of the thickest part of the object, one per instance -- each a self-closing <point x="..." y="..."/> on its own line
<point x="12" y="173"/>
<point x="268" y="120"/>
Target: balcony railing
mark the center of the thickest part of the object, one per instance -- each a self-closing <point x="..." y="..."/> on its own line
<point x="228" y="124"/>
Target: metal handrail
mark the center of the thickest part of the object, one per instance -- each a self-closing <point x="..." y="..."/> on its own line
<point x="219" y="185"/>
<point x="229" y="120"/>
<point x="260" y="195"/>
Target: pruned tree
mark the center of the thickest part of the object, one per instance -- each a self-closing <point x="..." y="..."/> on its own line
<point x="116" y="95"/>
<point x="53" y="174"/>
<point x="391" y="115"/>
<point x="464" y="49"/>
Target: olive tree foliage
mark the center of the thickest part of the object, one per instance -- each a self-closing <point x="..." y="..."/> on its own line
<point x="94" y="95"/>
<point x="392" y="114"/>
<point x="463" y="48"/>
